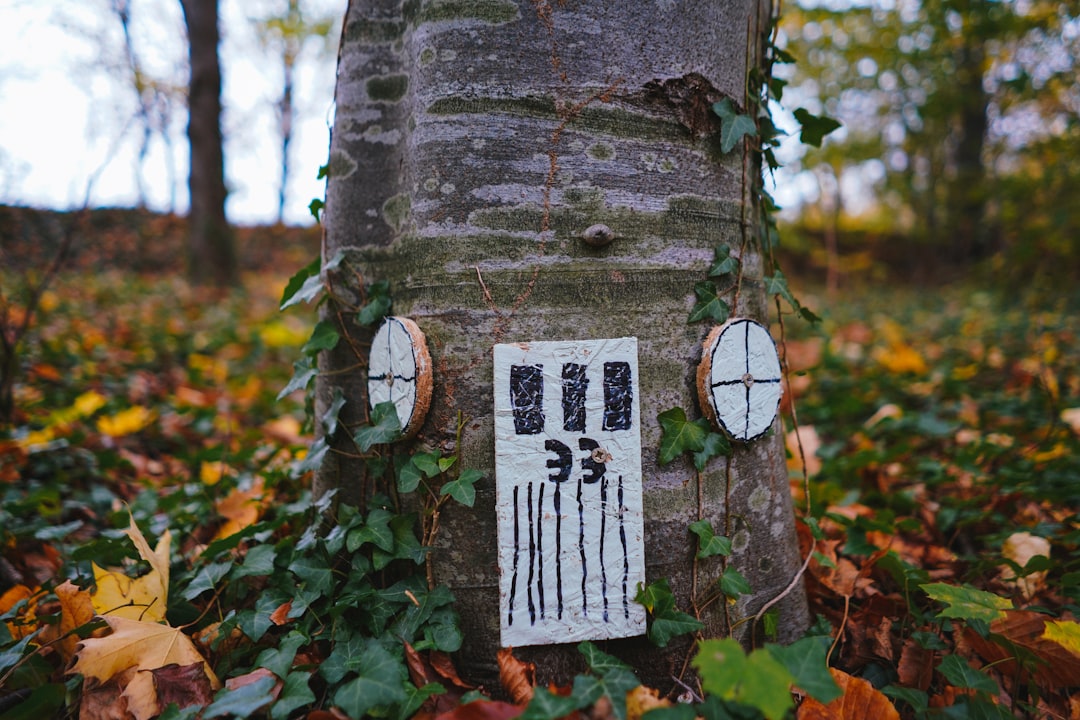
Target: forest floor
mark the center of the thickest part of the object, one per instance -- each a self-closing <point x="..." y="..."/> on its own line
<point x="940" y="497"/>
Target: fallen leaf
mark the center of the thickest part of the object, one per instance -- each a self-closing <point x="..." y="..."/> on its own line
<point x="12" y="597"/>
<point x="641" y="700"/>
<point x="184" y="685"/>
<point x="518" y="678"/>
<point x="859" y="701"/>
<point x="125" y="422"/>
<point x="1021" y="547"/>
<point x="240" y="508"/>
<point x="916" y="667"/>
<point x="106" y="701"/>
<point x="1071" y="417"/>
<point x="1060" y="668"/>
<point x="77" y="609"/>
<point x="142" y="645"/>
<point x="478" y="710"/>
<point x="281" y="615"/>
<point x="141" y="696"/>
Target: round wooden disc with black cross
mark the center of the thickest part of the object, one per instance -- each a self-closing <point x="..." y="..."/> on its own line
<point x="739" y="379"/>
<point x="399" y="371"/>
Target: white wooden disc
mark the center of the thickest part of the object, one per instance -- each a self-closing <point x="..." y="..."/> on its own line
<point x="399" y="371"/>
<point x="739" y="379"/>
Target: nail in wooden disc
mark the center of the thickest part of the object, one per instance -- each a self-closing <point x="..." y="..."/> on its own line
<point x="739" y="379"/>
<point x="399" y="371"/>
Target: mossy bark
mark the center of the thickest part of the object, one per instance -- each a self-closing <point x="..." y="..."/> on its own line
<point x="474" y="143"/>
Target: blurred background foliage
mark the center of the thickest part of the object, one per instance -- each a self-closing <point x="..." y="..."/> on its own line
<point x="960" y="145"/>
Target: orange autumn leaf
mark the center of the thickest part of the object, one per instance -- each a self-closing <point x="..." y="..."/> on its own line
<point x="860" y="701"/>
<point x="240" y="508"/>
<point x="1060" y="666"/>
<point x="77" y="609"/>
<point x="12" y="597"/>
<point x="517" y="677"/>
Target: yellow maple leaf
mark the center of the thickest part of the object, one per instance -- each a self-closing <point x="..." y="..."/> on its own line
<point x="136" y="644"/>
<point x="125" y="422"/>
<point x="1065" y="633"/>
<point x="142" y="598"/>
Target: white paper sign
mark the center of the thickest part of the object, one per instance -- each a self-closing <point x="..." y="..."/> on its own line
<point x="568" y="478"/>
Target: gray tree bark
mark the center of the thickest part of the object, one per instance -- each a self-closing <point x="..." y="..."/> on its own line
<point x="211" y="251"/>
<point x="474" y="143"/>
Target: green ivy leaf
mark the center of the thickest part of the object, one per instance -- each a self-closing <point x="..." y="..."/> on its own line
<point x="777" y="285"/>
<point x="375" y="530"/>
<point x="295" y="694"/>
<point x="715" y="445"/>
<point x="546" y="705"/>
<point x="415" y="697"/>
<point x="967" y="603"/>
<point x="378" y="303"/>
<point x="679" y="435"/>
<point x="757" y="679"/>
<point x="723" y="262"/>
<point x="258" y="561"/>
<point x="323" y="337"/>
<point x="598" y="660"/>
<point x="614" y="684"/>
<point x="206" y="579"/>
<point x="814" y="127"/>
<point x="303" y="372"/>
<point x="278" y="660"/>
<point x="679" y="711"/>
<point x="316" y="573"/>
<point x="959" y="673"/>
<point x="734" y="125"/>
<point x="315" y="454"/>
<point x="380" y="681"/>
<point x="668" y="622"/>
<point x="408" y="477"/>
<point x="733" y="584"/>
<point x="917" y="699"/>
<point x="708" y="305"/>
<point x="709" y="543"/>
<point x="461" y="488"/>
<point x="304" y="286"/>
<point x="807" y="661"/>
<point x="384" y="427"/>
<point x="244" y="701"/>
<point x="330" y="417"/>
<point x="428" y="463"/>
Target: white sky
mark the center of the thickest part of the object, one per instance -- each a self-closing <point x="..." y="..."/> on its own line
<point x="63" y="114"/>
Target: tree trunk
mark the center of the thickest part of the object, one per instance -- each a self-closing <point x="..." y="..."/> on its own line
<point x="474" y="143"/>
<point x="211" y="252"/>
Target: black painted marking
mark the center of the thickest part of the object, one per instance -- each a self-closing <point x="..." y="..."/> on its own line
<point x="527" y="398"/>
<point x="557" y="502"/>
<point x="603" y="534"/>
<point x="595" y="470"/>
<point x="574" y="387"/>
<point x="514" y="574"/>
<point x="540" y="549"/>
<point x="532" y="557"/>
<point x="392" y="323"/>
<point x="625" y="556"/>
<point x="563" y="464"/>
<point x="581" y="549"/>
<point x="618" y="396"/>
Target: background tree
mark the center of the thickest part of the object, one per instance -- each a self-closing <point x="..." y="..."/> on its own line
<point x="286" y="35"/>
<point x="474" y="144"/>
<point x="212" y="256"/>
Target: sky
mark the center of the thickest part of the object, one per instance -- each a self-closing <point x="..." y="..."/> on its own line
<point x="66" y="116"/>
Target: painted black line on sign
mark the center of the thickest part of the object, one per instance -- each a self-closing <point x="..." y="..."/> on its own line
<point x="540" y="548"/>
<point x="532" y="557"/>
<point x="527" y="398"/>
<point x="557" y="502"/>
<point x="514" y="574"/>
<point x="625" y="557"/>
<point x="603" y="533"/>
<point x="581" y="549"/>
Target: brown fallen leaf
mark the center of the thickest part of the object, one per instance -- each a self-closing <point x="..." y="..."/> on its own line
<point x="240" y="508"/>
<point x="479" y="710"/>
<point x="1026" y="629"/>
<point x="641" y="700"/>
<point x="916" y="667"/>
<point x="860" y="701"/>
<point x="105" y="701"/>
<point x="517" y="677"/>
<point x="184" y="685"/>
<point x="281" y="615"/>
